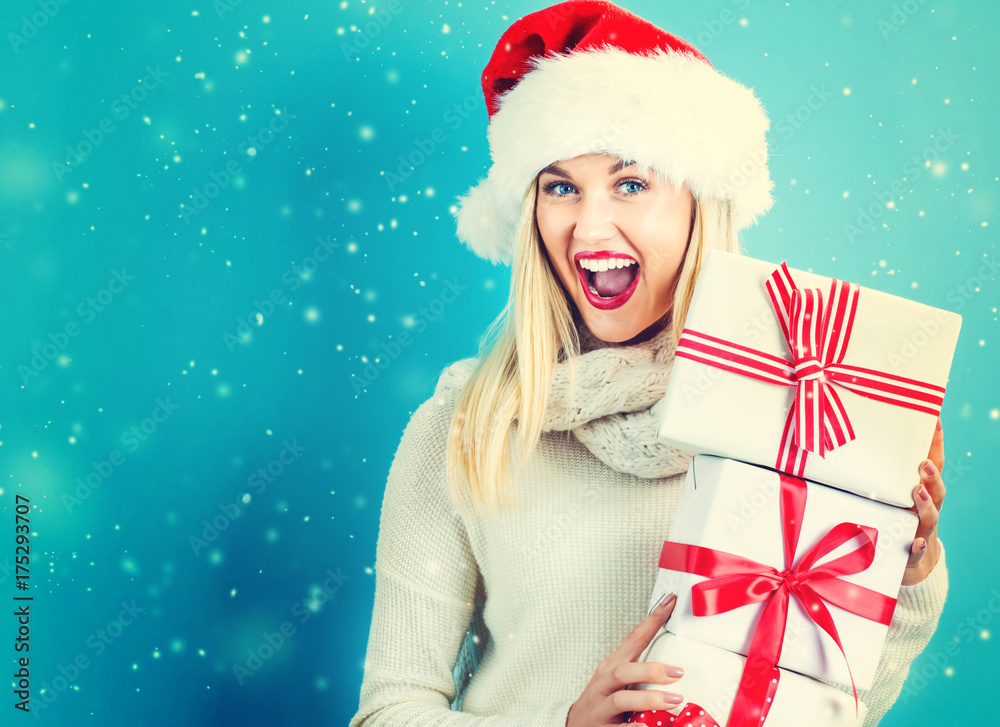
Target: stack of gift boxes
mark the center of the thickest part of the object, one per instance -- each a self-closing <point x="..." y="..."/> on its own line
<point x="810" y="402"/>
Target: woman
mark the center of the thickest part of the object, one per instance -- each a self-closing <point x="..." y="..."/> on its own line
<point x="620" y="156"/>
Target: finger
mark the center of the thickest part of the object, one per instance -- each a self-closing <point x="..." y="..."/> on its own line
<point x="631" y="648"/>
<point x="917" y="549"/>
<point x="926" y="511"/>
<point x="635" y="700"/>
<point x="936" y="452"/>
<point x="626" y="673"/>
<point x="930" y="478"/>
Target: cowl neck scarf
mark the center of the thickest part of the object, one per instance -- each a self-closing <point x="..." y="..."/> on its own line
<point x="614" y="409"/>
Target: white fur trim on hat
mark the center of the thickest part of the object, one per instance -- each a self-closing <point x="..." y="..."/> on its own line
<point x="668" y="110"/>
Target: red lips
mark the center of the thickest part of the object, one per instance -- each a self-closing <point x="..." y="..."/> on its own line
<point x="595" y="300"/>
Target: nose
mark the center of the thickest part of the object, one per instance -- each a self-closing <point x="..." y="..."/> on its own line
<point x="595" y="220"/>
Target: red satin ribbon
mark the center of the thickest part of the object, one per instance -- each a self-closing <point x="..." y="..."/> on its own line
<point x="735" y="581"/>
<point x="817" y="330"/>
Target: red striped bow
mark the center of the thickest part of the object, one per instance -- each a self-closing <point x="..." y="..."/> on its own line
<point x="734" y="581"/>
<point x="817" y="332"/>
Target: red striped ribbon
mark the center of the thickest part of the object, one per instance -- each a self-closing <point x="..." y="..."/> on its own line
<point x="817" y="332"/>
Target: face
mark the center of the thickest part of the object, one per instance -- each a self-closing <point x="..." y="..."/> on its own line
<point x="595" y="214"/>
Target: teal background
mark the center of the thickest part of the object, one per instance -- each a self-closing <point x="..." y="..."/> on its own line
<point x="233" y="321"/>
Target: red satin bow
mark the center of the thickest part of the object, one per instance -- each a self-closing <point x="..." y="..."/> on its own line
<point x="691" y="716"/>
<point x="817" y="331"/>
<point x="735" y="581"/>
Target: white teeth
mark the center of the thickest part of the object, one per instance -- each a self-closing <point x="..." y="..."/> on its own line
<point x="605" y="263"/>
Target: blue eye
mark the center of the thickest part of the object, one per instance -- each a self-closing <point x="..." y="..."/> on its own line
<point x="563" y="187"/>
<point x="633" y="186"/>
<point x="630" y="188"/>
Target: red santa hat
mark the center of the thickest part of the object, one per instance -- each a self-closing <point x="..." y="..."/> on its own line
<point x="587" y="76"/>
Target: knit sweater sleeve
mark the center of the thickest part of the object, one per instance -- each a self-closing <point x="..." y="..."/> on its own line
<point x="914" y="621"/>
<point x="425" y="585"/>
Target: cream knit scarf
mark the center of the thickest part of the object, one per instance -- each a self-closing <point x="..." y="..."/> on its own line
<point x="615" y="411"/>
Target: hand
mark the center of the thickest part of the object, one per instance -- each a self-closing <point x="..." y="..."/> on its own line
<point x="928" y="497"/>
<point x="607" y="696"/>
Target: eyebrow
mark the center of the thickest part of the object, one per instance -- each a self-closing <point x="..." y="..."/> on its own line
<point x="560" y="172"/>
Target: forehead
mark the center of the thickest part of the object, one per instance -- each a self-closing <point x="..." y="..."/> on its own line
<point x="594" y="163"/>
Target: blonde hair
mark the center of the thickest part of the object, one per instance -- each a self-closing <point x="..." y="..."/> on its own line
<point x="508" y="388"/>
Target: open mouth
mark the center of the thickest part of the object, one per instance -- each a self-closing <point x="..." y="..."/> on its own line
<point x="608" y="279"/>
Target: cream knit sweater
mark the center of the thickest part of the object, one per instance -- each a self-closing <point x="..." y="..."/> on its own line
<point x="565" y="577"/>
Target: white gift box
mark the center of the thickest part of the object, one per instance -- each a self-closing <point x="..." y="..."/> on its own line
<point x="713" y="411"/>
<point x="736" y="508"/>
<point x="712" y="675"/>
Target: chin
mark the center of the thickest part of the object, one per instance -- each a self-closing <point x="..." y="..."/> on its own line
<point x="618" y="332"/>
<point x="611" y="332"/>
<point x="618" y="336"/>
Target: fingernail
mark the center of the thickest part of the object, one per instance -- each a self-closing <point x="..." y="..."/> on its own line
<point x="924" y="545"/>
<point x="937" y="427"/>
<point x="667" y="601"/>
<point x="929" y="468"/>
<point x="673" y="671"/>
<point x="672" y="699"/>
<point x="924" y="495"/>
